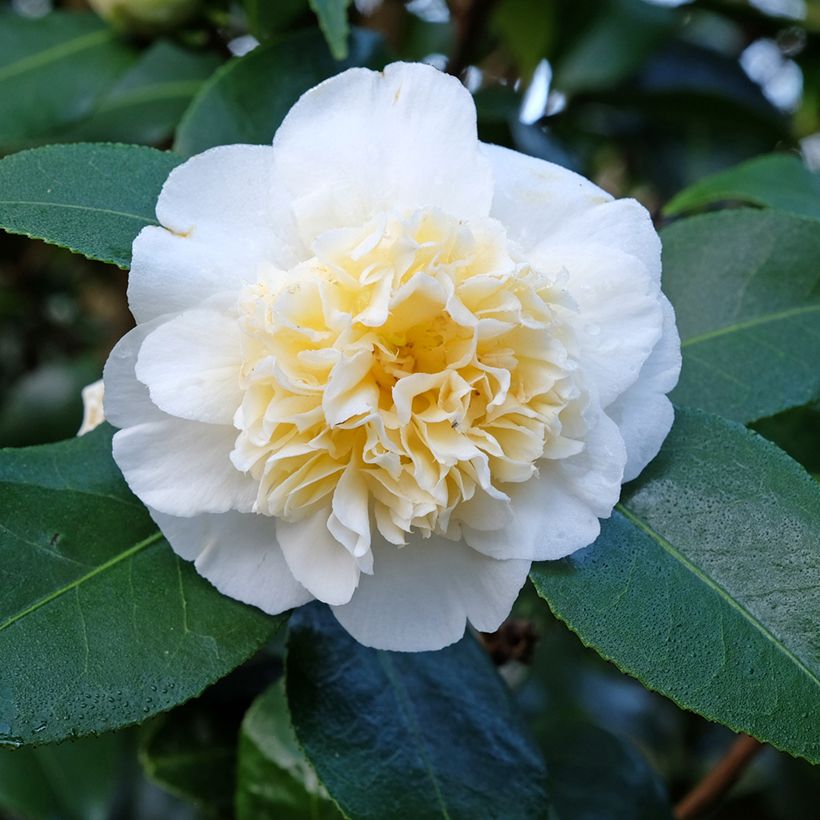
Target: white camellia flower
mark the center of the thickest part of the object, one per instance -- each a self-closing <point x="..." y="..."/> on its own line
<point x="386" y="366"/>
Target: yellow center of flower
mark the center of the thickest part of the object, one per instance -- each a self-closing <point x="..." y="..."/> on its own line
<point x="414" y="366"/>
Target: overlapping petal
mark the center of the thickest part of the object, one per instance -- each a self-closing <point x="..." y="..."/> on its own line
<point x="223" y="216"/>
<point x="420" y="596"/>
<point x="366" y="142"/>
<point x="239" y="555"/>
<point x="644" y="413"/>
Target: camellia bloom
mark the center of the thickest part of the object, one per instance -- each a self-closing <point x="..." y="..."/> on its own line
<point x="386" y="366"/>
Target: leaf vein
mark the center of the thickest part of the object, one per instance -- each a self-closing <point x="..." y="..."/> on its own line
<point x="712" y="584"/>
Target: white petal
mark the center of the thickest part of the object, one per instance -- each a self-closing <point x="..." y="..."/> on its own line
<point x="644" y="414"/>
<point x="350" y="521"/>
<point x="557" y="511"/>
<point x="191" y="366"/>
<point x="224" y="218"/>
<point x="420" y="596"/>
<point x="183" y="467"/>
<point x="620" y="314"/>
<point x="126" y="400"/>
<point x="538" y="201"/>
<point x="316" y="559"/>
<point x="364" y="142"/>
<point x="93" y="413"/>
<point x="239" y="555"/>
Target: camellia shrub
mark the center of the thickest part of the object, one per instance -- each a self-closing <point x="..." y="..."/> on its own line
<point x="450" y="446"/>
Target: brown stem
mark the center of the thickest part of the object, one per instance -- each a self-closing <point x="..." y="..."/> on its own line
<point x="718" y="780"/>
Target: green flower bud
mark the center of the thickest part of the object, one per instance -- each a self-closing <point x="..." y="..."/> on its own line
<point x="145" y="16"/>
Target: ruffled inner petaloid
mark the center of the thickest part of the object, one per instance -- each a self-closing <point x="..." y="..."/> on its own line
<point x="402" y="377"/>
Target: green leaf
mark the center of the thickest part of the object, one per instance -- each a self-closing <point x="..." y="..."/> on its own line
<point x="409" y="735"/>
<point x="70" y="781"/>
<point x="275" y="780"/>
<point x="578" y="754"/>
<point x="46" y="403"/>
<point x="746" y="289"/>
<point x="593" y="725"/>
<point x="266" y="19"/>
<point x="191" y="752"/>
<point x="615" y="45"/>
<point x="186" y="755"/>
<point x="52" y="72"/>
<point x="705" y="583"/>
<point x="91" y="199"/>
<point x="147" y="102"/>
<point x="101" y="625"/>
<point x="797" y="431"/>
<point x="332" y="16"/>
<point x="247" y="99"/>
<point x="779" y="181"/>
<point x="527" y="29"/>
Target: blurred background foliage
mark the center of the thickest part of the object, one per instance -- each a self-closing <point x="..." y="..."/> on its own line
<point x="643" y="97"/>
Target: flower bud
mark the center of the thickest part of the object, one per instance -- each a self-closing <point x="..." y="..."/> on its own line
<point x="145" y="16"/>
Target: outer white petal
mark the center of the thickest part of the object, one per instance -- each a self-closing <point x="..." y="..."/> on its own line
<point x="619" y="311"/>
<point x="644" y="414"/>
<point x="93" y="413"/>
<point x="557" y="511"/>
<point x="126" y="401"/>
<point x="224" y="218"/>
<point x="183" y="467"/>
<point x="238" y="554"/>
<point x="420" y="596"/>
<point x="539" y="202"/>
<point x="366" y="141"/>
<point x="317" y="560"/>
<point x="191" y="366"/>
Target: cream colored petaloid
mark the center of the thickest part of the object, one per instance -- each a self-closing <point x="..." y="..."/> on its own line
<point x="386" y="366"/>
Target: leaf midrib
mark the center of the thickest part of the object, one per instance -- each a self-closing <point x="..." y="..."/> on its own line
<point x="111" y="562"/>
<point x="55" y="53"/>
<point x="668" y="547"/>
<point x="89" y="208"/>
<point x="757" y="321"/>
<point x="158" y="91"/>
<point x="406" y="709"/>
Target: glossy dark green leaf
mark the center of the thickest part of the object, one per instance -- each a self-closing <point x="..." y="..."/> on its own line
<point x="147" y="102"/>
<point x="187" y="754"/>
<point x="53" y="70"/>
<point x="191" y="752"/>
<point x="705" y="583"/>
<point x="409" y="735"/>
<point x="275" y="780"/>
<point x="746" y="289"/>
<point x="90" y="198"/>
<point x="580" y="754"/>
<point x="70" y="781"/>
<point x="248" y="98"/>
<point x="332" y="16"/>
<point x="101" y="625"/>
<point x="779" y="181"/>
